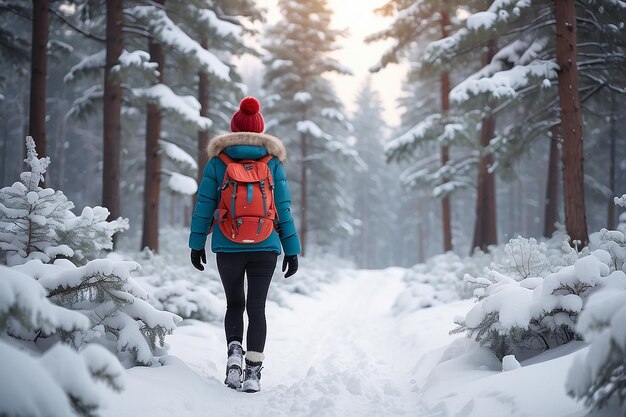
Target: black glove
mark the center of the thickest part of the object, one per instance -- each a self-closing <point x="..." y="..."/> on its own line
<point x="198" y="257"/>
<point x="292" y="262"/>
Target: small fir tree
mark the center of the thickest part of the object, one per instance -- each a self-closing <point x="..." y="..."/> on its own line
<point x="37" y="223"/>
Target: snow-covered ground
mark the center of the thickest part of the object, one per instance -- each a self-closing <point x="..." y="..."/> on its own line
<point x="343" y="352"/>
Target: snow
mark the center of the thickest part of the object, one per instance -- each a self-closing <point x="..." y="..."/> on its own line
<point x="310" y="127"/>
<point x="186" y="107"/>
<point x="177" y="154"/>
<point x="182" y="184"/>
<point x="509" y="363"/>
<point x="503" y="84"/>
<point x="23" y="300"/>
<point x="166" y="31"/>
<point x="341" y="342"/>
<point x="221" y="27"/>
<point x="481" y="20"/>
<point x="302" y="97"/>
<point x="278" y="64"/>
<point x="96" y="62"/>
<point x="369" y="362"/>
<point x="36" y="394"/>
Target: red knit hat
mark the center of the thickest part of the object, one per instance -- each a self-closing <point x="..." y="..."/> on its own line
<point x="248" y="118"/>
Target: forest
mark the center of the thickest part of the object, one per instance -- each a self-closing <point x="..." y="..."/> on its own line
<point x="139" y="95"/>
<point x="506" y="174"/>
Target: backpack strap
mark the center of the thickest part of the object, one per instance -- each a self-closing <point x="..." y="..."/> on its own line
<point x="265" y="159"/>
<point x="225" y="158"/>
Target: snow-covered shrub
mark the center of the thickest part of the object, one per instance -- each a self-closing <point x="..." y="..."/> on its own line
<point x="525" y="316"/>
<point x="440" y="279"/>
<point x="103" y="290"/>
<point x="524" y="258"/>
<point x="174" y="285"/>
<point x="37" y="223"/>
<point x="61" y="382"/>
<point x="313" y="273"/>
<point x="598" y="375"/>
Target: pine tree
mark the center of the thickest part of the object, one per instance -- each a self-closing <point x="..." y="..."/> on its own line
<point x="571" y="122"/>
<point x="519" y="77"/>
<point x="299" y="99"/>
<point x="373" y="188"/>
<point x="220" y="27"/>
<point x="39" y="63"/>
<point x="435" y="20"/>
<point x="37" y="223"/>
<point x="112" y="109"/>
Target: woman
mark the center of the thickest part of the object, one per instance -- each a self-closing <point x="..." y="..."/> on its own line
<point x="257" y="260"/>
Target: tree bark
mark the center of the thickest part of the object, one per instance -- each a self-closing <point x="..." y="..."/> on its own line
<point x="552" y="186"/>
<point x="111" y="112"/>
<point x="485" y="232"/>
<point x="610" y="221"/>
<point x="203" y="135"/>
<point x="571" y="125"/>
<point x="152" y="180"/>
<point x="303" y="193"/>
<point x="39" y="63"/>
<point x="446" y="221"/>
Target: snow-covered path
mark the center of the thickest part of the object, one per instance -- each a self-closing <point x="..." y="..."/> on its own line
<point x="339" y="353"/>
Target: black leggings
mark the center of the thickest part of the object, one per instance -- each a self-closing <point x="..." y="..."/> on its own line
<point x="259" y="268"/>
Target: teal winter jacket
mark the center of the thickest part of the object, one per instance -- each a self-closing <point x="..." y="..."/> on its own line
<point x="243" y="145"/>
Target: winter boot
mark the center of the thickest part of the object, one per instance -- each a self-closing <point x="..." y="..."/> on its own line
<point x="233" y="365"/>
<point x="252" y="374"/>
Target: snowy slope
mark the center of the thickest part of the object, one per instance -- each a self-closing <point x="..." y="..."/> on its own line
<point x="343" y="353"/>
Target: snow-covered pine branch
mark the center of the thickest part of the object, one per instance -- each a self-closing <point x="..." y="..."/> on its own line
<point x="104" y="291"/>
<point x="61" y="382"/>
<point x="26" y="310"/>
<point x="37" y="223"/>
<point x="186" y="108"/>
<point x="163" y="29"/>
<point x="89" y="102"/>
<point x="598" y="374"/>
<point x="181" y="184"/>
<point x="443" y="180"/>
<point x="92" y="65"/>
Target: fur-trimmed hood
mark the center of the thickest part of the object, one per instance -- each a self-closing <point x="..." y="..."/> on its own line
<point x="273" y="145"/>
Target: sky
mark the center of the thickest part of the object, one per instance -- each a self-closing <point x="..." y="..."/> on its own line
<point x="359" y="18"/>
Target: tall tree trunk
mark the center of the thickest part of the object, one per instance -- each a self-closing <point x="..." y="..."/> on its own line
<point x="610" y="222"/>
<point x="111" y="112"/>
<point x="485" y="233"/>
<point x="551" y="213"/>
<point x="444" y="152"/>
<point x="203" y="135"/>
<point x="303" y="192"/>
<point x="152" y="181"/>
<point x="571" y="126"/>
<point x="38" y="70"/>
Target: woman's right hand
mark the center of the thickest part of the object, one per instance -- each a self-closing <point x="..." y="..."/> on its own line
<point x="290" y="263"/>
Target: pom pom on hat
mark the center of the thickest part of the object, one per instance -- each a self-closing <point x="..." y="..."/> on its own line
<point x="250" y="105"/>
<point x="248" y="118"/>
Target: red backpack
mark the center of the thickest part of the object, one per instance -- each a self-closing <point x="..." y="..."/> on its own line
<point x="246" y="211"/>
